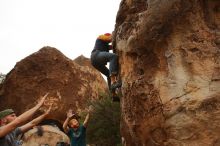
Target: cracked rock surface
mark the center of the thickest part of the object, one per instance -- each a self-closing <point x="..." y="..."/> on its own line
<point x="170" y="67"/>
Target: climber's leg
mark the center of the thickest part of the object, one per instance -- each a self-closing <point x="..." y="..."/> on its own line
<point x="104" y="70"/>
<point x="98" y="60"/>
<point x="113" y="64"/>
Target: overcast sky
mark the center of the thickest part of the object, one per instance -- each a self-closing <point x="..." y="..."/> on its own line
<point x="71" y="26"/>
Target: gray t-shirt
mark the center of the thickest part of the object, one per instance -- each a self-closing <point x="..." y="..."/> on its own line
<point x="11" y="138"/>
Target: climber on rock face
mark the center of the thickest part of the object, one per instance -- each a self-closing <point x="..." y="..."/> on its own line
<point x="100" y="56"/>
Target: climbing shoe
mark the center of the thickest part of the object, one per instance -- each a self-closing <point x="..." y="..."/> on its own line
<point x="115" y="85"/>
<point x="115" y="97"/>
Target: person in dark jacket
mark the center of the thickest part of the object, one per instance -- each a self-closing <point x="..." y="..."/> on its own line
<point x="100" y="56"/>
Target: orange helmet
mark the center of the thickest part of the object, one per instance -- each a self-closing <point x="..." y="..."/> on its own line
<point x="107" y="34"/>
<point x="107" y="37"/>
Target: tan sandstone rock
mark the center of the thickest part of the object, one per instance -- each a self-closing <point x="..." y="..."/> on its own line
<point x="169" y="54"/>
<point x="69" y="83"/>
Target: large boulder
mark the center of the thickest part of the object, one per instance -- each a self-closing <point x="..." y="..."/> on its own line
<point x="45" y="135"/>
<point x="169" y="54"/>
<point x="69" y="84"/>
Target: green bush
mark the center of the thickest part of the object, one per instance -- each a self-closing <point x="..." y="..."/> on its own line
<point x="104" y="123"/>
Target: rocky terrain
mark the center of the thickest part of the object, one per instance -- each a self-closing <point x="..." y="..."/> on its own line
<point x="70" y="83"/>
<point x="169" y="54"/>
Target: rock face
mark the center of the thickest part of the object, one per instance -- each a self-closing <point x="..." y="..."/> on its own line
<point x="69" y="84"/>
<point x="170" y="67"/>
